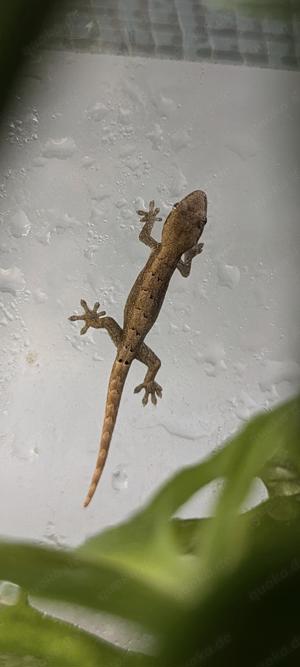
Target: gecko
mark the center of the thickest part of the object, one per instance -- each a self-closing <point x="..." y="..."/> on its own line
<point x="179" y="244"/>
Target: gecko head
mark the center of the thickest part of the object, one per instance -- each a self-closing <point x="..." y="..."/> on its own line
<point x="186" y="221"/>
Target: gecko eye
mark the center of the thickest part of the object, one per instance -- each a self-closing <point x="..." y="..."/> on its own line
<point x="176" y="204"/>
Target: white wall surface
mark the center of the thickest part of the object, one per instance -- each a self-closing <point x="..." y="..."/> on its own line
<point x="88" y="140"/>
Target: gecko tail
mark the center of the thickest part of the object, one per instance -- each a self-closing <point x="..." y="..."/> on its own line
<point x="115" y="388"/>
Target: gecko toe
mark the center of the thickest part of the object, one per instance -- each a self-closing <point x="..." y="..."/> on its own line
<point x="84" y="305"/>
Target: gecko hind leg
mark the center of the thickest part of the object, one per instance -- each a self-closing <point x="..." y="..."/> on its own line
<point x="96" y="320"/>
<point x="151" y="387"/>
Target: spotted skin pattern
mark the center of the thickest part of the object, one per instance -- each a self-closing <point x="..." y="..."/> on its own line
<point x="179" y="244"/>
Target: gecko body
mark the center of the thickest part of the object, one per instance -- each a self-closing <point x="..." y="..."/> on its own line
<point x="179" y="245"/>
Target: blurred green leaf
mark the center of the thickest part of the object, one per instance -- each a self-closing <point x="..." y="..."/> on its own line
<point x="249" y="614"/>
<point x="71" y="577"/>
<point x="147" y="542"/>
<point x="26" y="632"/>
<point x="276" y="433"/>
<point x="171" y="576"/>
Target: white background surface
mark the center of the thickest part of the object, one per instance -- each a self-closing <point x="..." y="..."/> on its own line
<point x="88" y="140"/>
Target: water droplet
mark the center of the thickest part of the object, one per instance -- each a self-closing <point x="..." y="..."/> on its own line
<point x="276" y="372"/>
<point x="246" y="406"/>
<point x="213" y="359"/>
<point x="166" y="105"/>
<point x="180" y="140"/>
<point x="133" y="163"/>
<point x="20" y="224"/>
<point x="40" y="296"/>
<point x="97" y="357"/>
<point x="124" y="115"/>
<point x="87" y="161"/>
<point x="11" y="280"/>
<point x="119" y="479"/>
<point x="97" y="112"/>
<point x="187" y="429"/>
<point x="156" y="137"/>
<point x="59" y="148"/>
<point x="9" y="593"/>
<point x="126" y="214"/>
<point x="229" y="276"/>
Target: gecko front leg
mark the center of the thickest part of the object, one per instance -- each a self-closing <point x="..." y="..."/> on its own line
<point x="97" y="321"/>
<point x="184" y="265"/>
<point x="152" y="388"/>
<point x="149" y="218"/>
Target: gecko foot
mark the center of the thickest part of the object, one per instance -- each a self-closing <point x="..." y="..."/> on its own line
<point x="194" y="251"/>
<point x="151" y="388"/>
<point x="151" y="215"/>
<point x="90" y="317"/>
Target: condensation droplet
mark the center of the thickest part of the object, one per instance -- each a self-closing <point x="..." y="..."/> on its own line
<point x="11" y="280"/>
<point x="20" y="224"/>
<point x="156" y="136"/>
<point x="9" y="593"/>
<point x="40" y="296"/>
<point x="228" y="276"/>
<point x="87" y="161"/>
<point x="213" y="358"/>
<point x="180" y="140"/>
<point x="97" y="357"/>
<point x="246" y="407"/>
<point x="166" y="105"/>
<point x="119" y="479"/>
<point x="97" y="112"/>
<point x="276" y="372"/>
<point x="59" y="148"/>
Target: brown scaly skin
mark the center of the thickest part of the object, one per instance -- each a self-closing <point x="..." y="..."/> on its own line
<point x="180" y="235"/>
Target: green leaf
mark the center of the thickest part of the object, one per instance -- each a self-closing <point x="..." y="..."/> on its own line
<point x="249" y="615"/>
<point x="147" y="544"/>
<point x="72" y="577"/>
<point x="161" y="572"/>
<point x="276" y="433"/>
<point x="140" y="570"/>
<point x="26" y="632"/>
